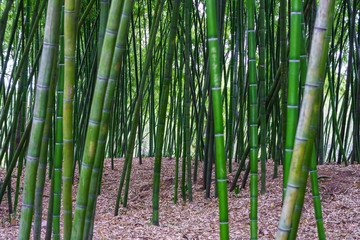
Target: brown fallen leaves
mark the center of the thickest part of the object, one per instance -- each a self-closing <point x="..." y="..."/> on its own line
<point x="339" y="188"/>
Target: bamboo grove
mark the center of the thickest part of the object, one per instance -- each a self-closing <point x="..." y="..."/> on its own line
<point x="271" y="85"/>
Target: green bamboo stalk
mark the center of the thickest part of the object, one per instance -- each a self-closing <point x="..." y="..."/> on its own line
<point x="179" y="123"/>
<point x="136" y="112"/>
<point x="310" y="151"/>
<point x="59" y="135"/>
<point x="162" y="110"/>
<point x="86" y="13"/>
<point x="68" y="112"/>
<point x="253" y="115"/>
<point x="306" y="112"/>
<point x="233" y="87"/>
<point x="293" y="84"/>
<point x="95" y="117"/>
<point x="215" y="74"/>
<point x="49" y="220"/>
<point x="105" y="119"/>
<point x="41" y="173"/>
<point x="187" y="132"/>
<point x="316" y="197"/>
<point x="51" y="41"/>
<point x="209" y="156"/>
<point x="349" y="76"/>
<point x="104" y="11"/>
<point x="262" y="82"/>
<point x="283" y="66"/>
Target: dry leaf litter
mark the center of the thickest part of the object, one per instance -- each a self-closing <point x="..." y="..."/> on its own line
<point x="339" y="188"/>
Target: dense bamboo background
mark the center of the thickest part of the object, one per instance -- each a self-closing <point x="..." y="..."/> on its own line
<point x="206" y="82"/>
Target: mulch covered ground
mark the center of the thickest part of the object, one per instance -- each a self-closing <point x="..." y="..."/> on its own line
<point x="339" y="188"/>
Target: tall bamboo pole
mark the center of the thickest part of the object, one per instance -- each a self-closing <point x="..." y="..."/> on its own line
<point x="262" y="95"/>
<point x="50" y="45"/>
<point x="97" y="105"/>
<point x="41" y="173"/>
<point x="215" y="74"/>
<point x="59" y="136"/>
<point x="187" y="132"/>
<point x="144" y="76"/>
<point x="68" y="112"/>
<point x="162" y="109"/>
<point x="293" y="83"/>
<point x="105" y="119"/>
<point x="253" y="115"/>
<point x="306" y="112"/>
<point x="283" y="67"/>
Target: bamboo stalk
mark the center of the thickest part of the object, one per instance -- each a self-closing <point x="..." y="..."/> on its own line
<point x="215" y="74"/>
<point x="306" y="112"/>
<point x="95" y="116"/>
<point x="51" y="41"/>
<point x="162" y="110"/>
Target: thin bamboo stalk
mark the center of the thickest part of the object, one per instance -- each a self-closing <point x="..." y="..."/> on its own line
<point x="162" y="110"/>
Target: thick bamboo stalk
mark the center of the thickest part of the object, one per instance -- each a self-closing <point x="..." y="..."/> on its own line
<point x="105" y="119"/>
<point x="41" y="173"/>
<point x="95" y="116"/>
<point x="310" y="154"/>
<point x="215" y="74"/>
<point x="306" y="112"/>
<point x="50" y="45"/>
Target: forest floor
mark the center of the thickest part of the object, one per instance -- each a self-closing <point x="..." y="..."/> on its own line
<point x="339" y="188"/>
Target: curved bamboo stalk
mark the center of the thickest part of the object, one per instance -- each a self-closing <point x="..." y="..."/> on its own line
<point x="310" y="155"/>
<point x="93" y="130"/>
<point x="105" y="119"/>
<point x="306" y="112"/>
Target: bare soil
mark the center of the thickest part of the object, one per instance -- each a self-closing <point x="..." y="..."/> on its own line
<point x="339" y="188"/>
